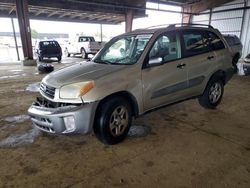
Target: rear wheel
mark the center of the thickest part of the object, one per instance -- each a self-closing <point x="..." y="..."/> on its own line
<point x="84" y="54"/>
<point x="67" y="54"/>
<point x="40" y="58"/>
<point x="213" y="93"/>
<point x="113" y="121"/>
<point x="59" y="58"/>
<point x="235" y="61"/>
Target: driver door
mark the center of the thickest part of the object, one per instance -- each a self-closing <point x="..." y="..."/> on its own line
<point x="164" y="75"/>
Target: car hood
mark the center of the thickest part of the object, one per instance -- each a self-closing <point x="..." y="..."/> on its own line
<point x="80" y="72"/>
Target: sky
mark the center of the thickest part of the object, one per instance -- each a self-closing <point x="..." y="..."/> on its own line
<point x="153" y="18"/>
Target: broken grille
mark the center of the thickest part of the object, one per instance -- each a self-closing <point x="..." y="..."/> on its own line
<point x="48" y="91"/>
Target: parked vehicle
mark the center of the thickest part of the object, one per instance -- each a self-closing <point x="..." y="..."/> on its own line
<point x="133" y="74"/>
<point x="83" y="45"/>
<point x="247" y="59"/>
<point x="235" y="47"/>
<point x="48" y="49"/>
<point x="246" y="65"/>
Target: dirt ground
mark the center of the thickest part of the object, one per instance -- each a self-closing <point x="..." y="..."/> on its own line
<point x="187" y="146"/>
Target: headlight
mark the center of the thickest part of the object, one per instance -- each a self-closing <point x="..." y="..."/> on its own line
<point x="76" y="90"/>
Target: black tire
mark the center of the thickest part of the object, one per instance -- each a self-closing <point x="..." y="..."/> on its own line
<point x="108" y="127"/>
<point x="211" y="97"/>
<point x="84" y="54"/>
<point x="235" y="61"/>
<point x="59" y="58"/>
<point x="66" y="52"/>
<point x="45" y="68"/>
<point x="40" y="58"/>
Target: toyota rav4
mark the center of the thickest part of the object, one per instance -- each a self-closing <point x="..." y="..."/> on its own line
<point x="134" y="73"/>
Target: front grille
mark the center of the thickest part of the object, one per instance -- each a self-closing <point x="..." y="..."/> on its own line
<point x="47" y="90"/>
<point x="43" y="102"/>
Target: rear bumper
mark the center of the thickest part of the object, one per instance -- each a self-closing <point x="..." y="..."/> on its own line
<point x="92" y="51"/>
<point x="53" y="120"/>
<point x="51" y="55"/>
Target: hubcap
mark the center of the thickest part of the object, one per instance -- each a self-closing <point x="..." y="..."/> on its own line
<point x="83" y="54"/>
<point x="118" y="121"/>
<point x="66" y="52"/>
<point x="215" y="93"/>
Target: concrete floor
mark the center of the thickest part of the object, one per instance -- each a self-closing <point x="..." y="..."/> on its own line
<point x="188" y="146"/>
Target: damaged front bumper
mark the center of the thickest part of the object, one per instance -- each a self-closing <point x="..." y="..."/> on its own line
<point x="65" y="119"/>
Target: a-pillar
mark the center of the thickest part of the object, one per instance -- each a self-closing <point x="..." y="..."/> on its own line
<point x="25" y="31"/>
<point x="129" y="16"/>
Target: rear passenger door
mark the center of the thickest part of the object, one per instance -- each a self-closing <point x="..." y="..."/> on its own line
<point x="199" y="58"/>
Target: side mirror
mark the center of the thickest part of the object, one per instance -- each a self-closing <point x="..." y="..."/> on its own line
<point x="155" y="61"/>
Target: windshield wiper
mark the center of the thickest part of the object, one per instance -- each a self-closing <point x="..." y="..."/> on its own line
<point x="102" y="62"/>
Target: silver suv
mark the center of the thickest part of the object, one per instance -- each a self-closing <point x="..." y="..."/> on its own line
<point x="133" y="74"/>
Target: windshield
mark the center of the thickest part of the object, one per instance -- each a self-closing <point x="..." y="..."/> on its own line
<point x="123" y="51"/>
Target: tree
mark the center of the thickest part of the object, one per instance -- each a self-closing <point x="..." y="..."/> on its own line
<point x="97" y="35"/>
<point x="34" y="34"/>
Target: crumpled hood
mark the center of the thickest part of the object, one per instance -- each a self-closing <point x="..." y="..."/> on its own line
<point x="79" y="72"/>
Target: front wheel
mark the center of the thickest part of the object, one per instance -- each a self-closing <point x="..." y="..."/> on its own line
<point x="213" y="93"/>
<point x="113" y="121"/>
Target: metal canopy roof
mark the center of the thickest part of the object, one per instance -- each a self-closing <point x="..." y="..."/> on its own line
<point x="175" y="2"/>
<point x="95" y="11"/>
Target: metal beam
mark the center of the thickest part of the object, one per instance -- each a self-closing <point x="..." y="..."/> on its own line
<point x="52" y="14"/>
<point x="12" y="9"/>
<point x="205" y="5"/>
<point x="65" y="14"/>
<point x="39" y="12"/>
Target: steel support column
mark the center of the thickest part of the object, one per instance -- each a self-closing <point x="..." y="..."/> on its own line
<point x="101" y="32"/>
<point x="24" y="27"/>
<point x="129" y="16"/>
<point x="186" y="18"/>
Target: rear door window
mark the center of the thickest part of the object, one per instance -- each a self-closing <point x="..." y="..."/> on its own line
<point x="194" y="42"/>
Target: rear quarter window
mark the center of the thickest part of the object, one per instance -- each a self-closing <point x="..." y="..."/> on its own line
<point x="215" y="41"/>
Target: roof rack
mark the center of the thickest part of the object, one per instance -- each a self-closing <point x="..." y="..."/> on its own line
<point x="174" y="25"/>
<point x="157" y="26"/>
<point x="189" y="24"/>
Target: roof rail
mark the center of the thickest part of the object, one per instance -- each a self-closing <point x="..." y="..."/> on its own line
<point x="189" y="24"/>
<point x="174" y="25"/>
<point x="157" y="26"/>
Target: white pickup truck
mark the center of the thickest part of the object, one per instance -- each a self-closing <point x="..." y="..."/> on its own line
<point x="83" y="45"/>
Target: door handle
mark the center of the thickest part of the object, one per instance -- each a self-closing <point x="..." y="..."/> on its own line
<point x="180" y="66"/>
<point x="210" y="57"/>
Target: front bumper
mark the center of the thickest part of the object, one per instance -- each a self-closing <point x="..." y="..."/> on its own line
<point x="52" y="120"/>
<point x="246" y="68"/>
